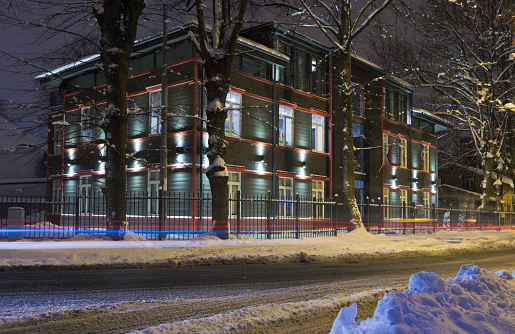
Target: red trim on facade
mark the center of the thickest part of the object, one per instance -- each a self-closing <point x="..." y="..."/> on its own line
<point x="237" y="90"/>
<point x="407" y="126"/>
<point x="287" y="103"/>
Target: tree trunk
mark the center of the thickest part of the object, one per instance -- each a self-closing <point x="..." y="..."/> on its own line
<point x="343" y="152"/>
<point x="217" y="87"/>
<point x="488" y="163"/>
<point x="118" y="23"/>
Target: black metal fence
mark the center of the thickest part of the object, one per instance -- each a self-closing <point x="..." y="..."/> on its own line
<point x="259" y="216"/>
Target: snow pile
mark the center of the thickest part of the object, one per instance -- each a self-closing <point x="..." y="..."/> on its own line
<point x="476" y="301"/>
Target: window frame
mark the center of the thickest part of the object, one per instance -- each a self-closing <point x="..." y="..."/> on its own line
<point x="286" y="195"/>
<point x="154" y="123"/>
<point x="403" y="153"/>
<point x="286" y="114"/>
<point x="58" y="139"/>
<point x="318" y="194"/>
<point x="57" y="186"/>
<point x="84" y="189"/>
<point x="233" y="114"/>
<point x="317" y="133"/>
<point x="153" y="184"/>
<point x="230" y="185"/>
<point x="425" y="158"/>
<point x="86" y="127"/>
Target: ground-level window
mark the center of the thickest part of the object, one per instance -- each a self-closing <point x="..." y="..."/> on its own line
<point x="84" y="191"/>
<point x="317" y="133"/>
<point x="285" y="126"/>
<point x="234" y="185"/>
<point x="155" y="112"/>
<point x="386" y="202"/>
<point x="153" y="192"/>
<point x="317" y="192"/>
<point x="232" y="122"/>
<point x="427" y="203"/>
<point x="285" y="194"/>
<point x="56" y="196"/>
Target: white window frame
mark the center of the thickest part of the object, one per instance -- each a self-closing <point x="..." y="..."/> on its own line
<point x="286" y="127"/>
<point x="84" y="190"/>
<point x="425" y="158"/>
<point x="317" y="133"/>
<point x="86" y="125"/>
<point x="57" y="187"/>
<point x="317" y="192"/>
<point x="153" y="192"/>
<point x="233" y="121"/>
<point x="154" y="101"/>
<point x="234" y="185"/>
<point x="285" y="193"/>
<point x="403" y="153"/>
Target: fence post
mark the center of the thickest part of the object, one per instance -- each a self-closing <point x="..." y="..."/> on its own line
<point x="450" y="216"/>
<point x="297" y="214"/>
<point x="77" y="211"/>
<point x="367" y="224"/>
<point x="404" y="217"/>
<point x="238" y="213"/>
<point x="268" y="224"/>
<point x="433" y="216"/>
<point x="413" y="216"/>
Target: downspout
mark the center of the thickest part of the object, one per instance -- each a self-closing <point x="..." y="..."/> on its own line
<point x="274" y="136"/>
<point x="330" y="126"/>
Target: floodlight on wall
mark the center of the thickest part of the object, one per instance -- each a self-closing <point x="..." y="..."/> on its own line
<point x="415" y="179"/>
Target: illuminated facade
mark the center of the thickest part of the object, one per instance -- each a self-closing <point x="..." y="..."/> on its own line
<point x="278" y="127"/>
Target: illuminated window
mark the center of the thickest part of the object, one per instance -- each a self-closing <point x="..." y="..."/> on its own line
<point x="155" y="112"/>
<point x="86" y="124"/>
<point x="425" y="158"/>
<point x="234" y="184"/>
<point x="232" y="122"/>
<point x="285" y="126"/>
<point x="317" y="133"/>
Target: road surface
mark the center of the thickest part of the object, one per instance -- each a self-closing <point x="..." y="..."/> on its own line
<point x="121" y="300"/>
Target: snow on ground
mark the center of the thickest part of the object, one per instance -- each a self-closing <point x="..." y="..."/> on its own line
<point x="476" y="301"/>
<point x="90" y="250"/>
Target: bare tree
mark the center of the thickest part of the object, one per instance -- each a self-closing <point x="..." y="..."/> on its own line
<point x="118" y="21"/>
<point x="217" y="48"/>
<point x="341" y="24"/>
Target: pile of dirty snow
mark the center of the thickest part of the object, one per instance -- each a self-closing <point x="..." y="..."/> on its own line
<point x="476" y="301"/>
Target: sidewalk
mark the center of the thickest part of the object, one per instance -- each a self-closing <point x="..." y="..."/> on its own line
<point x="83" y="250"/>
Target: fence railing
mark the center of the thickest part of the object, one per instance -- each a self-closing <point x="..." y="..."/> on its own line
<point x="259" y="216"/>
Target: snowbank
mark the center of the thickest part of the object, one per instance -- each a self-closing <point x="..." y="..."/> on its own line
<point x="86" y="249"/>
<point x="475" y="301"/>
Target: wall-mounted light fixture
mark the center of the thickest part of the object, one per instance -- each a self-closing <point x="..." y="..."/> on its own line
<point x="180" y="149"/>
<point x="304" y="164"/>
<point x="414" y="179"/>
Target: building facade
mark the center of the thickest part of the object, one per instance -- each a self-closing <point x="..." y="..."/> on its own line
<point x="278" y="127"/>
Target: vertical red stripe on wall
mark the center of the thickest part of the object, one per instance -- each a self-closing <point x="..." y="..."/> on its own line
<point x="194" y="150"/>
<point x="331" y="126"/>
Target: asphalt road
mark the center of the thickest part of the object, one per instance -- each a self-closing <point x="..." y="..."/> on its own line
<point x="124" y="299"/>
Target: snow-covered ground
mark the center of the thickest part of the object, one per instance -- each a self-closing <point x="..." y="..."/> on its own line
<point x="474" y="302"/>
<point x="89" y="250"/>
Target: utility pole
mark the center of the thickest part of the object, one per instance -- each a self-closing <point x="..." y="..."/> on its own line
<point x="163" y="171"/>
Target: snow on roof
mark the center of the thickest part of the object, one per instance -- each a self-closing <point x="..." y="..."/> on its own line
<point x="430" y="115"/>
<point x="96" y="57"/>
